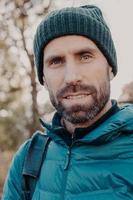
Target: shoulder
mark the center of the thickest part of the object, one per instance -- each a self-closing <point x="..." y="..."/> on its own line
<point x="17" y="163"/>
<point x="24" y="148"/>
<point x="16" y="166"/>
<point x="13" y="183"/>
<point x="126" y="111"/>
<point x="12" y="187"/>
<point x="127" y="107"/>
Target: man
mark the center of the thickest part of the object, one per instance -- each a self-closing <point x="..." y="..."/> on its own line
<point x="90" y="153"/>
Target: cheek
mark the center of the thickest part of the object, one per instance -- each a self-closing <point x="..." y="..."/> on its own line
<point x="53" y="80"/>
<point x="98" y="77"/>
<point x="100" y="73"/>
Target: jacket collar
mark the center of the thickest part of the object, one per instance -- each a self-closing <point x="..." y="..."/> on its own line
<point x="118" y="123"/>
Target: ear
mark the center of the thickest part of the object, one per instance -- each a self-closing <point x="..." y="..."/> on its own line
<point x="111" y="74"/>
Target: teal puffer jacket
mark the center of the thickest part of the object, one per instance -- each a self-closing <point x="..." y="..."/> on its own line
<point x="97" y="167"/>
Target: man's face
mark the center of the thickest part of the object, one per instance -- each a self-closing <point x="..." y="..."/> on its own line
<point x="77" y="76"/>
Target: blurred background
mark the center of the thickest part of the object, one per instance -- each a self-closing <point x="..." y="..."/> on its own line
<point x="22" y="99"/>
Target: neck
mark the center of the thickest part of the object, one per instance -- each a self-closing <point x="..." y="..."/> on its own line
<point x="71" y="127"/>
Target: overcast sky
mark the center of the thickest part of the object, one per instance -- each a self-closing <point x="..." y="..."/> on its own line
<point x="119" y="16"/>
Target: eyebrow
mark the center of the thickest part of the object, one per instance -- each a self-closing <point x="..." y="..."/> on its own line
<point x="78" y="52"/>
<point x="49" y="58"/>
<point x="85" y="50"/>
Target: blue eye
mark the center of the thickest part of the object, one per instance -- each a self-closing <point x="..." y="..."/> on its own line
<point x="85" y="57"/>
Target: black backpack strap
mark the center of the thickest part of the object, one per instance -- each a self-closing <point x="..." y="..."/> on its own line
<point x="33" y="161"/>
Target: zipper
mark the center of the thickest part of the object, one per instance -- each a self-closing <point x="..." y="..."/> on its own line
<point x="66" y="167"/>
<point x="68" y="157"/>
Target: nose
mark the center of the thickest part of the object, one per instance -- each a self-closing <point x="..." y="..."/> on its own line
<point x="72" y="73"/>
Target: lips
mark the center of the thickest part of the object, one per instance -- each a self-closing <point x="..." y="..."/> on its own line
<point x="76" y="95"/>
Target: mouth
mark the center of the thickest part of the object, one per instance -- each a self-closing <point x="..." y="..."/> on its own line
<point x="74" y="96"/>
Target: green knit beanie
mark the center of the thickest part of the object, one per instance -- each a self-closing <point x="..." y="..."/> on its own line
<point x="86" y="21"/>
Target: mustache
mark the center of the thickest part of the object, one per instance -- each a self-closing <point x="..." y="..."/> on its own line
<point x="75" y="88"/>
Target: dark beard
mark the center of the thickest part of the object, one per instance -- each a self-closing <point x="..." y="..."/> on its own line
<point x="78" y="114"/>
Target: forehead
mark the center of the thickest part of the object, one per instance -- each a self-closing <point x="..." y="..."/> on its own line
<point x="69" y="43"/>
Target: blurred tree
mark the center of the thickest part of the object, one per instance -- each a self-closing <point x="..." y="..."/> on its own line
<point x="18" y="96"/>
<point x="127" y="93"/>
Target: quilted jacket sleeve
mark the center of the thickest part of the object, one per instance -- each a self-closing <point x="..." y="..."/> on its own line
<point x="13" y="184"/>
